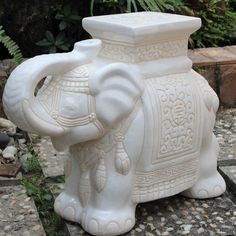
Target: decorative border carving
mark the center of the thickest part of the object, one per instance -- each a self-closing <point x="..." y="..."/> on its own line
<point x="165" y="182"/>
<point x="150" y="52"/>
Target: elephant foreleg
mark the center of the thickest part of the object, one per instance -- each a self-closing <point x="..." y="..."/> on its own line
<point x="67" y="204"/>
<point x="110" y="210"/>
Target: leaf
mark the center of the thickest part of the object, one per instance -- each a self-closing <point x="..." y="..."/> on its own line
<point x="43" y="43"/>
<point x="67" y="10"/>
<point x="62" y="25"/>
<point x="91" y="7"/>
<point x="59" y="16"/>
<point x="49" y="36"/>
<point x="47" y="197"/>
<point x="63" y="47"/>
<point x="11" y="46"/>
<point x="53" y="49"/>
<point x="75" y="17"/>
<point x="100" y="175"/>
<point x="60" y="37"/>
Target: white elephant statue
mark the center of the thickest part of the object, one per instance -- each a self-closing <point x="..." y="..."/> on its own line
<point x="136" y="118"/>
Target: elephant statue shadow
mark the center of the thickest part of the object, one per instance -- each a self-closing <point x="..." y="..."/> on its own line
<point x="130" y="139"/>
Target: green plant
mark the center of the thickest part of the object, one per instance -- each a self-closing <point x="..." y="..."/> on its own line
<point x="36" y="188"/>
<point x="52" y="44"/>
<point x="33" y="164"/>
<point x="136" y="5"/>
<point x="218" y="22"/>
<point x="11" y="46"/>
<point x="63" y="40"/>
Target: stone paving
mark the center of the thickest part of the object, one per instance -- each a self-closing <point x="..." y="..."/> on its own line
<point x="170" y="216"/>
<point x="229" y="173"/>
<point x="52" y="162"/>
<point x="18" y="214"/>
<point x="176" y="215"/>
<point x="181" y="216"/>
<point x="225" y="130"/>
<point x="4" y="181"/>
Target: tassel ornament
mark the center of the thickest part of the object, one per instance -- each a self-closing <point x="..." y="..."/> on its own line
<point x="122" y="161"/>
<point x="100" y="173"/>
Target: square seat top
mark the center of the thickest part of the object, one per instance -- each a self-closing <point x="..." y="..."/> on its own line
<point x="141" y="26"/>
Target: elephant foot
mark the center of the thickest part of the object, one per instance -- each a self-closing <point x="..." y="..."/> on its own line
<point x="68" y="207"/>
<point x="110" y="222"/>
<point x="212" y="186"/>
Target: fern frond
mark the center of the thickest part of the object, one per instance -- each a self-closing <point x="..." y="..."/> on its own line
<point x="11" y="46"/>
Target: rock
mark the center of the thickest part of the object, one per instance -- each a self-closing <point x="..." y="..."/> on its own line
<point x="24" y="161"/>
<point x="3" y="74"/>
<point x="19" y="218"/>
<point x="149" y="218"/>
<point x="9" y="152"/>
<point x="7" y="228"/>
<point x="4" y="140"/>
<point x="200" y="230"/>
<point x="186" y="227"/>
<point x="21" y="141"/>
<point x="7" y="124"/>
<point x="4" y="123"/>
<point x="12" y="142"/>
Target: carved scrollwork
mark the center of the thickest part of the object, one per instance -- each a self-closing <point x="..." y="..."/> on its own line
<point x="135" y="54"/>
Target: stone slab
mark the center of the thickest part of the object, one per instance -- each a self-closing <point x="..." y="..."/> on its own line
<point x="5" y="181"/>
<point x="229" y="173"/>
<point x="218" y="55"/>
<point x="51" y="161"/>
<point x="228" y="85"/>
<point x="225" y="130"/>
<point x="10" y="170"/>
<point x="209" y="73"/>
<point x="176" y="215"/>
<point x="198" y="59"/>
<point x="231" y="49"/>
<point x="18" y="214"/>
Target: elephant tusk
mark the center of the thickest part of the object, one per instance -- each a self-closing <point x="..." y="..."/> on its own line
<point x="43" y="127"/>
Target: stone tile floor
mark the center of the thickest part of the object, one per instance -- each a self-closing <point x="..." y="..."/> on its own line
<point x="176" y="215"/>
<point x="51" y="161"/>
<point x="18" y="214"/>
<point x="171" y="216"/>
<point x="225" y="130"/>
<point x="181" y="216"/>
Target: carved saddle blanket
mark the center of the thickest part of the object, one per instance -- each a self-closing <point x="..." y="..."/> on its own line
<point x="172" y="141"/>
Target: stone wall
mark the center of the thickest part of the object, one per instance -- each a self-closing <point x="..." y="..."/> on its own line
<point x="218" y="66"/>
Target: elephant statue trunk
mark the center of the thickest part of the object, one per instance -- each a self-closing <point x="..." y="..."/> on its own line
<point x="19" y="100"/>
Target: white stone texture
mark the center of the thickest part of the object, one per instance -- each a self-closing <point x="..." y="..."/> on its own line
<point x="9" y="153"/>
<point x="8" y="125"/>
<point x="136" y="119"/>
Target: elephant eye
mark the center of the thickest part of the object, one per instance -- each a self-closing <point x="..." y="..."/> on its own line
<point x="73" y="105"/>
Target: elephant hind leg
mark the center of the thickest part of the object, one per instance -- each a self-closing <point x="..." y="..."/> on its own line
<point x="210" y="183"/>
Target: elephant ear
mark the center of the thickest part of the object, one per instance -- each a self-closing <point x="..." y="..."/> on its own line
<point x="116" y="88"/>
